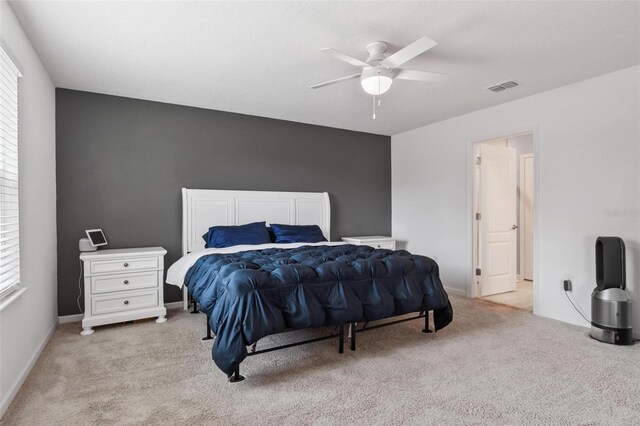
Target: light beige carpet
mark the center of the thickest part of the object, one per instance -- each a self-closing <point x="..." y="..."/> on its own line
<point x="493" y="365"/>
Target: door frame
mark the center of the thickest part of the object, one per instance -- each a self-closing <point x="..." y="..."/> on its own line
<point x="534" y="129"/>
<point x="521" y="243"/>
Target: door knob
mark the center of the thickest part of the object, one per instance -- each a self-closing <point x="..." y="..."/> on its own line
<point x="514" y="226"/>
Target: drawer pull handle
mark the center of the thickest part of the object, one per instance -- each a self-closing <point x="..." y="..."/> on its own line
<point x="126" y="302"/>
<point x="126" y="281"/>
<point x="126" y="264"/>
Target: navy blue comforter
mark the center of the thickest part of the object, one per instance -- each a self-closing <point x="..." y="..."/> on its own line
<point x="252" y="294"/>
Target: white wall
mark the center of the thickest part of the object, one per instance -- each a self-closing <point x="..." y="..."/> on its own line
<point x="588" y="162"/>
<point x="27" y="323"/>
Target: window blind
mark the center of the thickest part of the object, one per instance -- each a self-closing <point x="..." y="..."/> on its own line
<point x="9" y="223"/>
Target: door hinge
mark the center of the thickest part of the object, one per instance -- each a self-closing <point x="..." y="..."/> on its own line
<point x="478" y="160"/>
<point x="478" y="272"/>
<point x="478" y="216"/>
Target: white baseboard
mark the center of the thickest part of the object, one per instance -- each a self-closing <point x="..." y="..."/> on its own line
<point x="78" y="317"/>
<point x="173" y="305"/>
<point x="455" y="291"/>
<point x="70" y="318"/>
<point x="6" y="401"/>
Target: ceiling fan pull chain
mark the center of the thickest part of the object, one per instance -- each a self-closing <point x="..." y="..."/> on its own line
<point x="374" y="107"/>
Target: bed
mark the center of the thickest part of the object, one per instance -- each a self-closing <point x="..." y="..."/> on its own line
<point x="251" y="291"/>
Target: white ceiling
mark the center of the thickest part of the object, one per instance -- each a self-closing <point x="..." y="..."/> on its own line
<point x="259" y="58"/>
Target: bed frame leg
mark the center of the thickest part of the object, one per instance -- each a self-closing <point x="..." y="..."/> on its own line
<point x="426" y="328"/>
<point x="208" y="336"/>
<point x="341" y="340"/>
<point x="195" y="308"/>
<point x="236" y="376"/>
<point x="353" y="336"/>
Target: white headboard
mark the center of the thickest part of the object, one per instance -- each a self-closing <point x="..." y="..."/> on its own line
<point x="203" y="208"/>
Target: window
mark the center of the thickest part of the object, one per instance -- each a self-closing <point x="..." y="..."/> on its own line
<point x="9" y="224"/>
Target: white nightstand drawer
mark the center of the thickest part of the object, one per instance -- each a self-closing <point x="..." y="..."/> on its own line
<point x="375" y="241"/>
<point x="388" y="246"/>
<point x="121" y="302"/>
<point x="124" y="264"/>
<point x="123" y="282"/>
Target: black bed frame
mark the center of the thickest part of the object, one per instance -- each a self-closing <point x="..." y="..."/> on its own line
<point x="237" y="377"/>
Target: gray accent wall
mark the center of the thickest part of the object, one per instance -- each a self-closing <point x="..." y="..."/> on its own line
<point x="121" y="163"/>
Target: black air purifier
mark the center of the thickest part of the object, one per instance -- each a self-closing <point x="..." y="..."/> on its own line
<point x="611" y="318"/>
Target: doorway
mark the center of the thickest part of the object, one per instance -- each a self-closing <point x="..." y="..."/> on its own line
<point x="503" y="220"/>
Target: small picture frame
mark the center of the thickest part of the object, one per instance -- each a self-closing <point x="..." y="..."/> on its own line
<point x="96" y="237"/>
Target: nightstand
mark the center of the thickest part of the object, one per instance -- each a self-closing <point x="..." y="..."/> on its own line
<point x="375" y="241"/>
<point x="123" y="285"/>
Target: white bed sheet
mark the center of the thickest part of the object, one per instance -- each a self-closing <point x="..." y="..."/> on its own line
<point x="178" y="271"/>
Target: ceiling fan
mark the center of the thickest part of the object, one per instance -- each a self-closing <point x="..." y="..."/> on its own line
<point x="379" y="70"/>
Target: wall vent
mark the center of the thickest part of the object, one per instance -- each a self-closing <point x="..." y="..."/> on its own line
<point x="503" y="86"/>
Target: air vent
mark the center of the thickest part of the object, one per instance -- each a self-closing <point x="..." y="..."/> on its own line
<point x="503" y="86"/>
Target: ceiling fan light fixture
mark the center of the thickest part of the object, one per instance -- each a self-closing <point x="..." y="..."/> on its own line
<point x="376" y="81"/>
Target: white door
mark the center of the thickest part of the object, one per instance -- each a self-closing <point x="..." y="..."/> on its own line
<point x="497" y="198"/>
<point x="526" y="216"/>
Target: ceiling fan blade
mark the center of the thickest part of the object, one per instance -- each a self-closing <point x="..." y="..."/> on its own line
<point x="346" y="58"/>
<point x="420" y="75"/>
<point x="409" y="52"/>
<point x="337" y="80"/>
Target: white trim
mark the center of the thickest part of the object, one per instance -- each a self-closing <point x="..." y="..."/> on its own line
<point x="580" y="322"/>
<point x="11" y="297"/>
<point x="65" y="319"/>
<point x="534" y="129"/>
<point x="455" y="291"/>
<point x="521" y="166"/>
<point x="70" y="318"/>
<point x="8" y="399"/>
<point x="173" y="305"/>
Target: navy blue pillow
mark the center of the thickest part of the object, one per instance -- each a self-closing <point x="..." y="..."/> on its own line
<point x="227" y="236"/>
<point x="272" y="236"/>
<point x="297" y="233"/>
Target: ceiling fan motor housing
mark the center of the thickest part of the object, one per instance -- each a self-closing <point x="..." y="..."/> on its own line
<point x="376" y="50"/>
